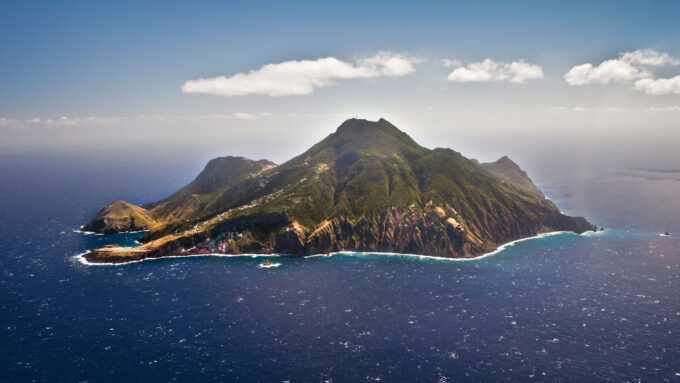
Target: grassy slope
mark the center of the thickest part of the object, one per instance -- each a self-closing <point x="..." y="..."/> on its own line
<point x="185" y="204"/>
<point x="508" y="171"/>
<point x="121" y="216"/>
<point x="220" y="173"/>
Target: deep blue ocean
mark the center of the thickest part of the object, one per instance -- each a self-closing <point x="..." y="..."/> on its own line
<point x="562" y="308"/>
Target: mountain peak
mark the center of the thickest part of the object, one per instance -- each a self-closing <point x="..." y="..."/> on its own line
<point x="509" y="171"/>
<point x="505" y="160"/>
<point x="370" y="136"/>
<point x="361" y="123"/>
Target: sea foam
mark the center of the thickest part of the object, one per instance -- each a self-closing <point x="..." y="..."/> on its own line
<point x="80" y="258"/>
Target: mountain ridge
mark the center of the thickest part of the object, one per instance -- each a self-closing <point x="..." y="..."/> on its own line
<point x="219" y="173"/>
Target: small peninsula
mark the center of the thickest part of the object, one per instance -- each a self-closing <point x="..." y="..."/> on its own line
<point x="366" y="187"/>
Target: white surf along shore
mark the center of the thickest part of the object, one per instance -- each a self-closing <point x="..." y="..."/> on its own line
<point x="80" y="258"/>
<point x="80" y="231"/>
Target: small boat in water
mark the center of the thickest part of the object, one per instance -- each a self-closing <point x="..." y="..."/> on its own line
<point x="267" y="264"/>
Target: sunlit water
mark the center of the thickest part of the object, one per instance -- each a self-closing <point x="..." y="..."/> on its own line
<point x="595" y="307"/>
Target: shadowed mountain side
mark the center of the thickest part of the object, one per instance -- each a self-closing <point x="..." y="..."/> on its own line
<point x="366" y="187"/>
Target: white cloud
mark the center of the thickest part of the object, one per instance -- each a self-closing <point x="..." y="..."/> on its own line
<point x="259" y="116"/>
<point x="6" y="121"/>
<point x="389" y="64"/>
<point x="37" y="122"/>
<point x="446" y="63"/>
<point x="628" y="68"/>
<point x="610" y="71"/>
<point x="246" y="116"/>
<point x="290" y="78"/>
<point x="581" y="109"/>
<point x="675" y="108"/>
<point x="108" y="120"/>
<point x="488" y="70"/>
<point x="658" y="86"/>
<point x="649" y="57"/>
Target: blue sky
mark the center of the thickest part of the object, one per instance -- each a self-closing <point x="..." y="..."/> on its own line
<point x="124" y="59"/>
<point x="117" y="57"/>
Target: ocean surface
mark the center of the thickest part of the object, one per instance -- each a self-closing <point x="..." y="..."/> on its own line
<point x="560" y="308"/>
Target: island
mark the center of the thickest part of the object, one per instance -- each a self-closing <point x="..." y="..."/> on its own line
<point x="367" y="187"/>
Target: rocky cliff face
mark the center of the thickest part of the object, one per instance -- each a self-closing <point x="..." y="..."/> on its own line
<point x="366" y="187"/>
